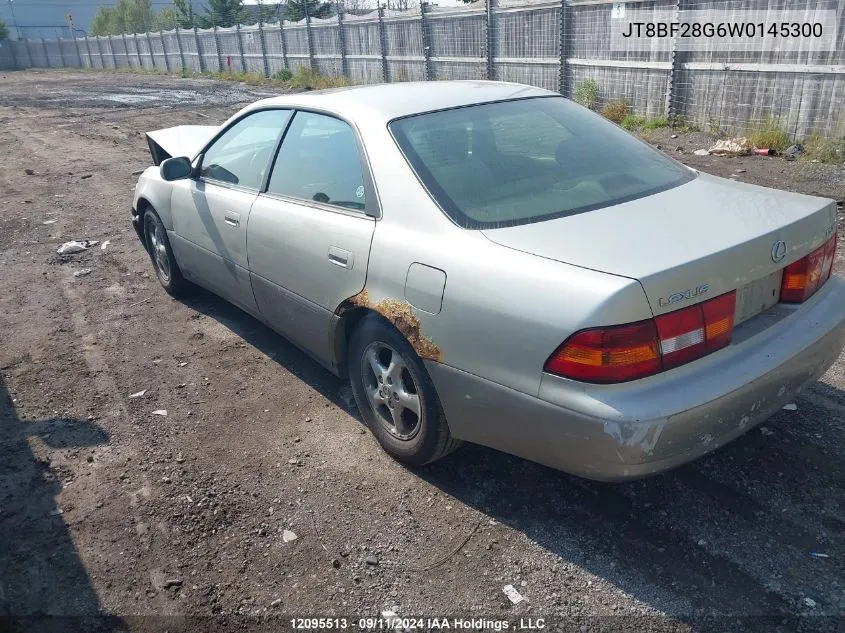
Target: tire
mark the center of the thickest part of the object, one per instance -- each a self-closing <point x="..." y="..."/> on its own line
<point x="387" y="378"/>
<point x="161" y="255"/>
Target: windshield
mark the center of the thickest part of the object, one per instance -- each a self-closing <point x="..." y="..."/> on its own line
<point x="516" y="162"/>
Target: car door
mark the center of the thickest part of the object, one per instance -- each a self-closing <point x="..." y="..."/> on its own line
<point x="310" y="231"/>
<point x="210" y="212"/>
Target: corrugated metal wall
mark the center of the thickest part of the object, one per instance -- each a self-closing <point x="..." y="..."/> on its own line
<point x="525" y="41"/>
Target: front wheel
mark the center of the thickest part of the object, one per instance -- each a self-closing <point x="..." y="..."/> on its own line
<point x="158" y="246"/>
<point x="395" y="395"/>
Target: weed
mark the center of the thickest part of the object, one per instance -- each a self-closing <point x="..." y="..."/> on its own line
<point x="307" y="79"/>
<point x="769" y="135"/>
<point x="616" y="111"/>
<point x="825" y="150"/>
<point x="638" y="122"/>
<point x="283" y="75"/>
<point x="633" y="122"/>
<point x="587" y="93"/>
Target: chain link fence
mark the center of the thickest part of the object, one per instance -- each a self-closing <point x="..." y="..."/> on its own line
<point x="556" y="45"/>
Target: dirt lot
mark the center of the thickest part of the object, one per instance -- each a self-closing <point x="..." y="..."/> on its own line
<point x="108" y="508"/>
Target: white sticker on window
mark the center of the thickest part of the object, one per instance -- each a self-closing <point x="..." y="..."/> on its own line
<point x="359" y="192"/>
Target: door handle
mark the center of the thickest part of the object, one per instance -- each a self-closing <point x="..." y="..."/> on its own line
<point x="340" y="257"/>
<point x="231" y="218"/>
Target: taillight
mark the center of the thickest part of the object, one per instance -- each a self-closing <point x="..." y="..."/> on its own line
<point x="681" y="336"/>
<point x="611" y="354"/>
<point x="803" y="278"/>
<point x="626" y="352"/>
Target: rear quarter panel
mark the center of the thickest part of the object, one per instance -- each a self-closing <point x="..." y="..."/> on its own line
<point x="503" y="312"/>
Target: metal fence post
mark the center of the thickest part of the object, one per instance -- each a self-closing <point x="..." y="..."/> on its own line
<point x="309" y="38"/>
<point x="283" y="43"/>
<point x="263" y="46"/>
<point x="426" y="41"/>
<point x="15" y="63"/>
<point x="78" y="52"/>
<point x="126" y="50"/>
<point x="200" y="51"/>
<point x="28" y="52"/>
<point x="490" y="35"/>
<point x="164" y="50"/>
<point x="382" y="36"/>
<point x="563" y="75"/>
<point x="46" y="54"/>
<point x="113" y="56"/>
<point x="669" y="108"/>
<point x="179" y="47"/>
<point x="341" y="35"/>
<point x="61" y="52"/>
<point x="88" y="48"/>
<point x="240" y="46"/>
<point x="100" y="51"/>
<point x="152" y="55"/>
<point x="217" y="46"/>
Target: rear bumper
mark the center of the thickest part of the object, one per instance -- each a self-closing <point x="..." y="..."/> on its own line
<point x="626" y="431"/>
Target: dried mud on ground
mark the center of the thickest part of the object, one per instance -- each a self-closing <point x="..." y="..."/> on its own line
<point x="108" y="508"/>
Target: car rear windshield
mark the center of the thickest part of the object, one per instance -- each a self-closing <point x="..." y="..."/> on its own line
<point x="515" y="162"/>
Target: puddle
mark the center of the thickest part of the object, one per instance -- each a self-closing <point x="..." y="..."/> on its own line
<point x="130" y="99"/>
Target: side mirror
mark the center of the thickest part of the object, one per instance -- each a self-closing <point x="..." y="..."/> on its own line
<point x="176" y="168"/>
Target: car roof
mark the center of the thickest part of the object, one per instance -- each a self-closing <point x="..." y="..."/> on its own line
<point x="390" y="101"/>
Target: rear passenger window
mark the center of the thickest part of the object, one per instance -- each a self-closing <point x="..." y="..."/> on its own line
<point x="319" y="161"/>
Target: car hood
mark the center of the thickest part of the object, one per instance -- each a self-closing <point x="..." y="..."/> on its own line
<point x="708" y="232"/>
<point x="182" y="140"/>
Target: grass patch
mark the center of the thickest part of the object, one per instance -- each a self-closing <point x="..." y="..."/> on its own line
<point x="307" y="79"/>
<point x="640" y="123"/>
<point x="769" y="135"/>
<point x="303" y="79"/>
<point x="825" y="150"/>
<point x="616" y="111"/>
<point x="587" y="93"/>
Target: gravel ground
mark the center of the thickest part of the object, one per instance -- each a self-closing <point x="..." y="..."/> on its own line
<point x="109" y="508"/>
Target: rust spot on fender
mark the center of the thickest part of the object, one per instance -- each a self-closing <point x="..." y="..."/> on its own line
<point x="401" y="315"/>
<point x="361" y="300"/>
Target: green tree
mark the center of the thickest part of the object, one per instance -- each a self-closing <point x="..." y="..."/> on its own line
<point x="295" y="9"/>
<point x="223" y="13"/>
<point x="105" y="22"/>
<point x="184" y="13"/>
<point x="128" y="16"/>
<point x="166" y="19"/>
<point x="4" y="31"/>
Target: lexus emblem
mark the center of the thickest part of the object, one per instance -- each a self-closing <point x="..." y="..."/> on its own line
<point x="778" y="251"/>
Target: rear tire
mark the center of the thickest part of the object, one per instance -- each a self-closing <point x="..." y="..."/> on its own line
<point x="395" y="395"/>
<point x="161" y="255"/>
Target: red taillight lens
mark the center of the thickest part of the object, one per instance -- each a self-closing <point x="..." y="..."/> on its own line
<point x="626" y="352"/>
<point x="681" y="336"/>
<point x="801" y="279"/>
<point x="612" y="354"/>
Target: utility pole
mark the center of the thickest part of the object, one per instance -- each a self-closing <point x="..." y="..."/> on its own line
<point x="14" y="19"/>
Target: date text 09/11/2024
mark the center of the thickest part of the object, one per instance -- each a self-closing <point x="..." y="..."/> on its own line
<point x="397" y="623"/>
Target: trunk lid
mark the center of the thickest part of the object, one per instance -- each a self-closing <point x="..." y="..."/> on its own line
<point x="696" y="241"/>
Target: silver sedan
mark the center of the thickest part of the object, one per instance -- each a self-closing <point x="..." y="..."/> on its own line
<point x="489" y="262"/>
